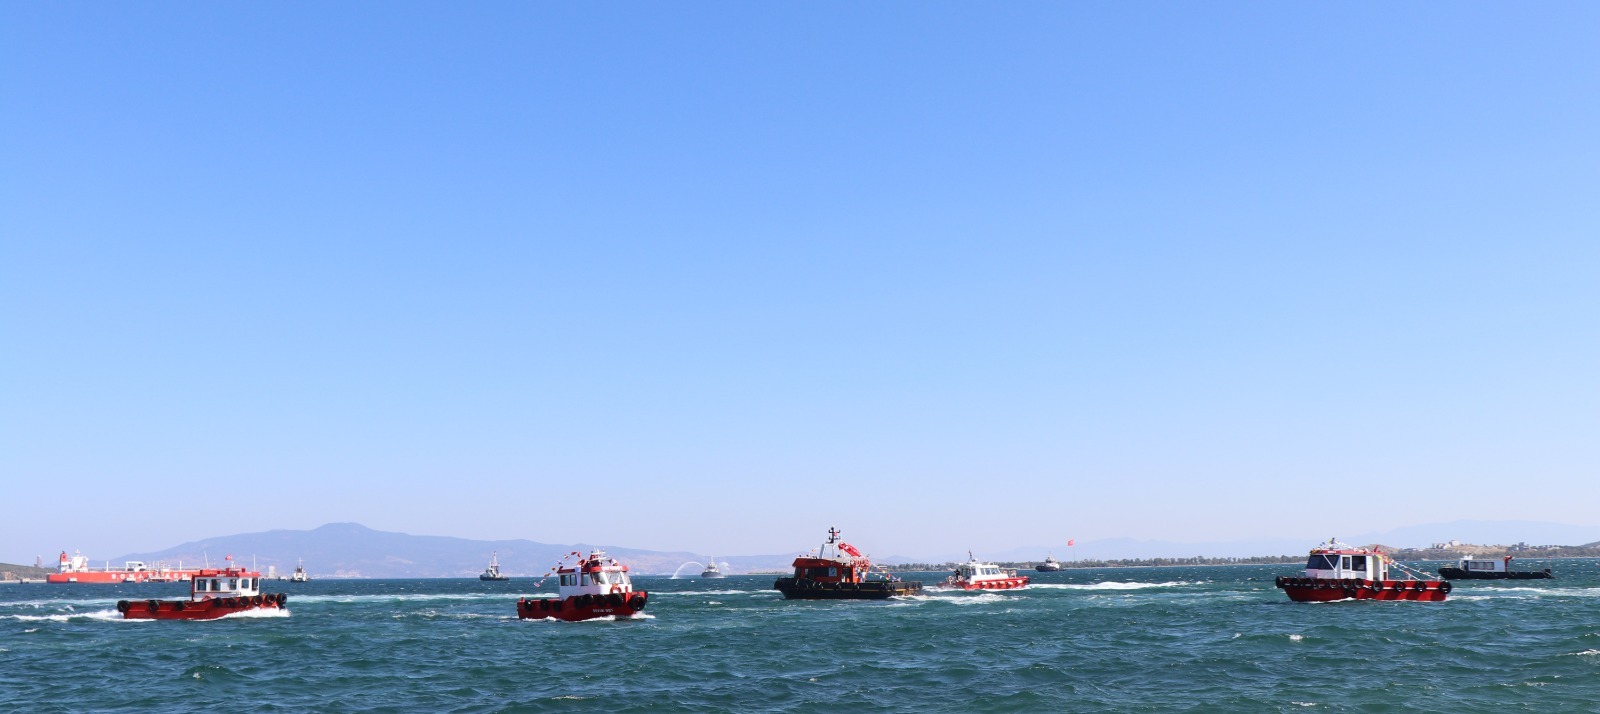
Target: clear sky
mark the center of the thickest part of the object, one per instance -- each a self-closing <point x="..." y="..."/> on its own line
<point x="717" y="276"/>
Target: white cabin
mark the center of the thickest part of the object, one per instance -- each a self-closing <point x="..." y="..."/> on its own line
<point x="595" y="575"/>
<point x="231" y="582"/>
<point x="1484" y="565"/>
<point x="1347" y="564"/>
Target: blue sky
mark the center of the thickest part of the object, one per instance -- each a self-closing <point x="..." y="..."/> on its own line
<point x="718" y="276"/>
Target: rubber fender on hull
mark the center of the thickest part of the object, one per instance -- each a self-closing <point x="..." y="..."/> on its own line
<point x="122" y="606"/>
<point x="636" y="602"/>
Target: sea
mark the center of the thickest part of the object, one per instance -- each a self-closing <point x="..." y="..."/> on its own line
<point x="1175" y="639"/>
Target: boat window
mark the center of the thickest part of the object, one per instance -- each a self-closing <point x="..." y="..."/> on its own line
<point x="1480" y="565"/>
<point x="569" y="579"/>
<point x="1358" y="562"/>
<point x="600" y="578"/>
<point x="1322" y="562"/>
<point x="200" y="585"/>
<point x="245" y="583"/>
<point x="216" y="585"/>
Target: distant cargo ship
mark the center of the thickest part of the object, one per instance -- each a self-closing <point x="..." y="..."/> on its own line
<point x="75" y="569"/>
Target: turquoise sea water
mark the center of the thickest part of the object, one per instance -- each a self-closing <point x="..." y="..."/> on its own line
<point x="1110" y="640"/>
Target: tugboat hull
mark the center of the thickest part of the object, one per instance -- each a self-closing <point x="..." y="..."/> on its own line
<point x="808" y="589"/>
<point x="203" y="610"/>
<point x="1454" y="573"/>
<point x="583" y="607"/>
<point x="1329" y="590"/>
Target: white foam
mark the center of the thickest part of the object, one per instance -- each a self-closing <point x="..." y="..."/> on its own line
<point x="1585" y="653"/>
<point x="67" y="617"/>
<point x="257" y="613"/>
<point x="1109" y="586"/>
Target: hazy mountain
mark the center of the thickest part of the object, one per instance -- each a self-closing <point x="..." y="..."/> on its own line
<point x="353" y="550"/>
<point x="1482" y="533"/>
<point x="1420" y="536"/>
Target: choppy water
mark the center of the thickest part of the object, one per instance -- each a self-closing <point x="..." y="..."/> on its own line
<point x="1136" y="640"/>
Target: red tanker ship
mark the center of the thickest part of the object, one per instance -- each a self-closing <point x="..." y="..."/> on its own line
<point x="75" y="569"/>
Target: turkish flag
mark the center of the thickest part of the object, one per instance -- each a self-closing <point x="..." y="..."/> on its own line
<point x="846" y="547"/>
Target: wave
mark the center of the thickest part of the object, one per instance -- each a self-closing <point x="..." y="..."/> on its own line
<point x="958" y="597"/>
<point x="108" y="614"/>
<point x="605" y="618"/>
<point x="407" y="597"/>
<point x="1109" y="585"/>
<point x="265" y="612"/>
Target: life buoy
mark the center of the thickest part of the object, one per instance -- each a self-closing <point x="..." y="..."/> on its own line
<point x="636" y="602"/>
<point x="616" y="589"/>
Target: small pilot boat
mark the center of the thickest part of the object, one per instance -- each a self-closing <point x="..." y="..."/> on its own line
<point x="711" y="570"/>
<point x="1050" y="565"/>
<point x="213" y="592"/>
<point x="596" y="586"/>
<point x="1337" y="571"/>
<point x="973" y="575"/>
<point x="1470" y="568"/>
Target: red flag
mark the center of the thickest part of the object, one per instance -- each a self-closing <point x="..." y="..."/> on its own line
<point x="846" y="547"/>
<point x="1069" y="542"/>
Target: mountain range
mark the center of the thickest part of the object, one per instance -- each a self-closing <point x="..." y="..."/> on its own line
<point x="351" y="550"/>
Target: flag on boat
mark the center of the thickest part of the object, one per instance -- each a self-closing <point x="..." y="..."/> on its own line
<point x="846" y="547"/>
<point x="1069" y="542"/>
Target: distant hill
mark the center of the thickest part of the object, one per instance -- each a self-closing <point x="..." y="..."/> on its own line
<point x="9" y="571"/>
<point x="1420" y="536"/>
<point x="351" y="550"/>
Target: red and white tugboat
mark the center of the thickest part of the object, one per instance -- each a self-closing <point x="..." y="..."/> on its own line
<point x="213" y="592"/>
<point x="839" y="571"/>
<point x="596" y="586"/>
<point x="973" y="575"/>
<point x="1337" y="571"/>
